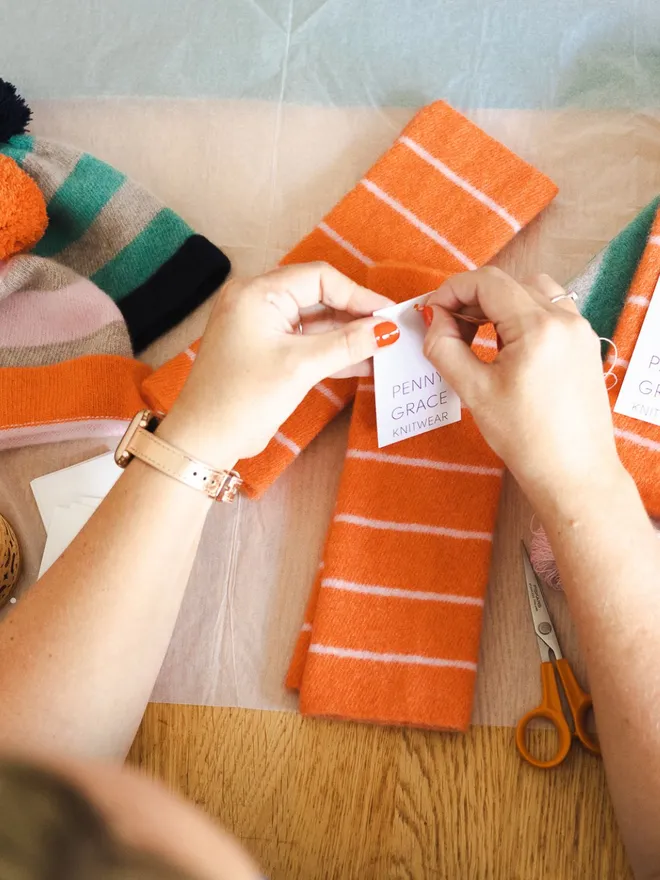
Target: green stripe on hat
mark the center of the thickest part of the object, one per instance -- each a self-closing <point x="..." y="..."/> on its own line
<point x="617" y="268"/>
<point x="76" y="203"/>
<point x="18" y="147"/>
<point x="138" y="261"/>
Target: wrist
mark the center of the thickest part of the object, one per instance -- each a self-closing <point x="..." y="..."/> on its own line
<point x="198" y="440"/>
<point x="580" y="498"/>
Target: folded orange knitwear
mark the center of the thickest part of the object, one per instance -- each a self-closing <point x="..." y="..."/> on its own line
<point x="638" y="442"/>
<point x="391" y="632"/>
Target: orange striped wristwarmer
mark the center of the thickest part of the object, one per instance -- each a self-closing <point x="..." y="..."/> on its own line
<point x="391" y="630"/>
<point x="638" y="442"/>
<point x="446" y="195"/>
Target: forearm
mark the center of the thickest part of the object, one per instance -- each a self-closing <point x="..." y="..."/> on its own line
<point x="608" y="555"/>
<point x="80" y="653"/>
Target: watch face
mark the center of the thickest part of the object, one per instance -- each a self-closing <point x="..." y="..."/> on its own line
<point x="140" y="420"/>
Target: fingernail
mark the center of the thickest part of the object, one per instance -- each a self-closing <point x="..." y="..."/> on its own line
<point x="427" y="314"/>
<point x="386" y="333"/>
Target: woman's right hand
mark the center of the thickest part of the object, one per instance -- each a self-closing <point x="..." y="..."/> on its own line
<point x="542" y="403"/>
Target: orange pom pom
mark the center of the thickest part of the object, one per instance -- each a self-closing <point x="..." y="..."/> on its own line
<point x="23" y="217"/>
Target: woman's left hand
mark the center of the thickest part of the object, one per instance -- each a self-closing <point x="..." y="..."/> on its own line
<point x="254" y="366"/>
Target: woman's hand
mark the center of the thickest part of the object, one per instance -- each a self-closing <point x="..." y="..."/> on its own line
<point x="542" y="403"/>
<point x="254" y="367"/>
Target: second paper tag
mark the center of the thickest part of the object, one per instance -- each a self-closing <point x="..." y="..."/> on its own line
<point x="411" y="396"/>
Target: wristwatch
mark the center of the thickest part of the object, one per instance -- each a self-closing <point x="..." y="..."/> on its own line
<point x="139" y="441"/>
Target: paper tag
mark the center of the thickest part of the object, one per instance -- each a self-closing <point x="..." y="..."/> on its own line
<point x="411" y="396"/>
<point x="639" y="397"/>
<point x="65" y="524"/>
<point x="94" y="477"/>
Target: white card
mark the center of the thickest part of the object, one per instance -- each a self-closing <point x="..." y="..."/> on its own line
<point x="411" y="396"/>
<point x="94" y="477"/>
<point x="65" y="523"/>
<point x="88" y="501"/>
<point x="639" y="397"/>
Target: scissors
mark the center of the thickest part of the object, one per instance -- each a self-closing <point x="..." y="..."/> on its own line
<point x="551" y="708"/>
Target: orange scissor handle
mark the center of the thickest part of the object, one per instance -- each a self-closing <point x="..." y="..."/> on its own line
<point x="581" y="704"/>
<point x="551" y="710"/>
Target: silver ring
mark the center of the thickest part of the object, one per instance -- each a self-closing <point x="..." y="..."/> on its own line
<point x="573" y="296"/>
<point x="299" y="328"/>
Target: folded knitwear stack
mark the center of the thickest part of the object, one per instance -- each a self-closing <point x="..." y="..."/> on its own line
<point x="391" y="632"/>
<point x="92" y="269"/>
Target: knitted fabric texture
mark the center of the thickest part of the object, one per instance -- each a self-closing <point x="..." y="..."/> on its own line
<point x="603" y="284"/>
<point x="108" y="229"/>
<point x="392" y="628"/>
<point x="66" y="362"/>
<point x="411" y="205"/>
<point x="23" y="217"/>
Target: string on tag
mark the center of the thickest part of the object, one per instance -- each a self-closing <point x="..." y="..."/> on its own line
<point x="610" y="372"/>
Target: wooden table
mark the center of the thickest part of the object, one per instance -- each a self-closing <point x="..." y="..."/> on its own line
<point x="316" y="799"/>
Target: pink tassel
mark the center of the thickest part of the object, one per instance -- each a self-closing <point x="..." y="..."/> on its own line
<point x="543" y="560"/>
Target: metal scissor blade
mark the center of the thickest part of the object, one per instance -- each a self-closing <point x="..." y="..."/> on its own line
<point x="543" y="627"/>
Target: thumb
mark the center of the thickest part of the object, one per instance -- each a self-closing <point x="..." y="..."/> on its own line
<point x="345" y="348"/>
<point x="453" y="357"/>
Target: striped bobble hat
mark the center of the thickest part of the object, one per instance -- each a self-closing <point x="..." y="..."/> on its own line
<point x="66" y="361"/>
<point x="108" y="229"/>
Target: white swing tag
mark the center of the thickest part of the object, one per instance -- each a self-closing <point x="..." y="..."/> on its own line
<point x="411" y="396"/>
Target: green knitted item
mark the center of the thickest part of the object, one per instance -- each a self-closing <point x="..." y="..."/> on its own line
<point x="603" y="285"/>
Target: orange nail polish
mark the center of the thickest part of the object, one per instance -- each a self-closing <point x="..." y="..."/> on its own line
<point x="386" y="333"/>
<point x="427" y="314"/>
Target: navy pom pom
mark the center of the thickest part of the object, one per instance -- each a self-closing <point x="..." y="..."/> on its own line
<point x="15" y="115"/>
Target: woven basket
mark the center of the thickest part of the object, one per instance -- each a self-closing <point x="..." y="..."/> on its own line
<point x="10" y="560"/>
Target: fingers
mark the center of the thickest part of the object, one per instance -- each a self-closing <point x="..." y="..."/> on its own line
<point x="550" y="290"/>
<point x="364" y="368"/>
<point x="323" y="319"/>
<point x="453" y="357"/>
<point x="512" y="307"/>
<point x="311" y="283"/>
<point x="499" y="296"/>
<point x="344" y="349"/>
<point x="449" y="324"/>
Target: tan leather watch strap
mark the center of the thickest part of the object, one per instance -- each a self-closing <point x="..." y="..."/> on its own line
<point x="140" y="442"/>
